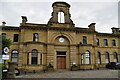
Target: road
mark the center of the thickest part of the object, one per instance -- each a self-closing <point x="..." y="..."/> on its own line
<point x="73" y="74"/>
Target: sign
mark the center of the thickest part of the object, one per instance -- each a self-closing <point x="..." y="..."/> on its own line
<point x="5" y="57"/>
<point x="6" y="50"/>
<point x="74" y="63"/>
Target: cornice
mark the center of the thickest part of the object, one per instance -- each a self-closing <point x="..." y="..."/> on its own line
<point x="32" y="42"/>
<point x="45" y="27"/>
<point x="73" y="29"/>
<point x="108" y="34"/>
<point x="10" y="28"/>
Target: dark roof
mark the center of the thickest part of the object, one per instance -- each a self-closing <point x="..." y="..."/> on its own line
<point x="60" y="2"/>
<point x="10" y="28"/>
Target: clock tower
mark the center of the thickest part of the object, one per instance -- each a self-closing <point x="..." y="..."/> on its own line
<point x="58" y="8"/>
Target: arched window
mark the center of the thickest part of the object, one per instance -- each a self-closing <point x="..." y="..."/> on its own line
<point x="84" y="39"/>
<point x="115" y="57"/>
<point x="35" y="37"/>
<point x="14" y="56"/>
<point x="105" y="42"/>
<point x="61" y="17"/>
<point x="4" y="34"/>
<point x="34" y="56"/>
<point x="99" y="58"/>
<point x="16" y="37"/>
<point x="107" y="58"/>
<point x="113" y="43"/>
<point x="87" y="56"/>
<point x="97" y="42"/>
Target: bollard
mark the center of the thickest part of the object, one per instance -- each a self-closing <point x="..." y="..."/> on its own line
<point x="25" y="72"/>
<point x="44" y="71"/>
<point x="34" y="71"/>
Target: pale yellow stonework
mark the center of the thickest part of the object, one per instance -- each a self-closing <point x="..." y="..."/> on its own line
<point x="48" y="43"/>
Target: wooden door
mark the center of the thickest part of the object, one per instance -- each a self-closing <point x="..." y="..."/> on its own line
<point x="61" y="62"/>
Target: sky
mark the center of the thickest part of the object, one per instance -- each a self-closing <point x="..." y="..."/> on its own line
<point x="83" y="12"/>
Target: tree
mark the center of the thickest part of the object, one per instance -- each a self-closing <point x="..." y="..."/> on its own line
<point x="5" y="43"/>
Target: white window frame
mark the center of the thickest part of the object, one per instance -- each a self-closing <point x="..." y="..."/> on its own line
<point x="107" y="57"/>
<point x="14" y="56"/>
<point x="115" y="55"/>
<point x="61" y="17"/>
<point x="87" y="57"/>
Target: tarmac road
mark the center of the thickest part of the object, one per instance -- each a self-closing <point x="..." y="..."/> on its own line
<point x="73" y="74"/>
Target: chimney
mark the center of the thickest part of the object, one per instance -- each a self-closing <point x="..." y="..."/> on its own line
<point x="92" y="26"/>
<point x="3" y="23"/>
<point x="115" y="30"/>
<point x="24" y="19"/>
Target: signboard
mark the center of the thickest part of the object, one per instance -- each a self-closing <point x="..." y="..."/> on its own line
<point x="6" y="50"/>
<point x="74" y="62"/>
<point x="5" y="57"/>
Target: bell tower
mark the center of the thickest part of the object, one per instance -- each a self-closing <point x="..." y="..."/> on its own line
<point x="57" y="18"/>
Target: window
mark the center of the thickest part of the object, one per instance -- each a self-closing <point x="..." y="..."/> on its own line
<point x="41" y="59"/>
<point x="107" y="57"/>
<point x="4" y="34"/>
<point x="28" y="58"/>
<point x="97" y="42"/>
<point x="99" y="58"/>
<point x="82" y="59"/>
<point x="115" y="57"/>
<point x="113" y="43"/>
<point x="14" y="56"/>
<point x="84" y="40"/>
<point x="87" y="56"/>
<point x="35" y="37"/>
<point x="105" y="42"/>
<point x="61" y="53"/>
<point x="15" y="38"/>
<point x="61" y="17"/>
<point x="34" y="56"/>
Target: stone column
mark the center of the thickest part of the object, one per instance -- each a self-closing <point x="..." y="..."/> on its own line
<point x="67" y="16"/>
<point x="55" y="15"/>
<point x="39" y="58"/>
<point x="50" y="54"/>
<point x="73" y="54"/>
<point x="30" y="58"/>
<point x="20" y="60"/>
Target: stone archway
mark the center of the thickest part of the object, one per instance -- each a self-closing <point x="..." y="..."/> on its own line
<point x="54" y="36"/>
<point x="57" y="46"/>
<point x="61" y="40"/>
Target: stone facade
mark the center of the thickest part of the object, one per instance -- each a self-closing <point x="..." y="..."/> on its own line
<point x="62" y="44"/>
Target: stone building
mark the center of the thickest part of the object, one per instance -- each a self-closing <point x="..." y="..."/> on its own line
<point x="61" y="43"/>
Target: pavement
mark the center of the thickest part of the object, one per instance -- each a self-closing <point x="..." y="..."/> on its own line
<point x="72" y="74"/>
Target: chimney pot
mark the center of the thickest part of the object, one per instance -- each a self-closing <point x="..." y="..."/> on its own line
<point x="3" y="23"/>
<point x="92" y="26"/>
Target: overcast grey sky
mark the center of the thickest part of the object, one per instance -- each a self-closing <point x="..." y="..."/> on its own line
<point x="103" y="13"/>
